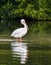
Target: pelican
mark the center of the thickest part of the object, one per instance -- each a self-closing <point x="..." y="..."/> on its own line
<point x="20" y="32"/>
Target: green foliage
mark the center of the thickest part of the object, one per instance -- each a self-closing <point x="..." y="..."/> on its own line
<point x="33" y="9"/>
<point x="37" y="9"/>
<point x="42" y="9"/>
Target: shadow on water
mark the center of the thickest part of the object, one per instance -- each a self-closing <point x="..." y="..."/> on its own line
<point x="19" y="51"/>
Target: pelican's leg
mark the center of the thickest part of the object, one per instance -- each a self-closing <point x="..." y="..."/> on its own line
<point x="20" y="39"/>
<point x="17" y="39"/>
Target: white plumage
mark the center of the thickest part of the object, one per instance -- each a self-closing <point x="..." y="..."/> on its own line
<point x="20" y="32"/>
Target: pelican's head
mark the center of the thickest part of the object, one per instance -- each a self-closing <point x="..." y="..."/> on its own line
<point x="22" y="21"/>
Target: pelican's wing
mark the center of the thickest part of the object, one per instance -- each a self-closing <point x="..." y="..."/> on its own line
<point x="17" y="31"/>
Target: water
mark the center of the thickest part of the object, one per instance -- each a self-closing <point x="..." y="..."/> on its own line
<point x="24" y="53"/>
<point x="19" y="50"/>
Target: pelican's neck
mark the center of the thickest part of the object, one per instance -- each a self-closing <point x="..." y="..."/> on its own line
<point x="25" y="25"/>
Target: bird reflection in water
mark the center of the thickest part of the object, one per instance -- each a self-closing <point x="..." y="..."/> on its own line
<point x="19" y="50"/>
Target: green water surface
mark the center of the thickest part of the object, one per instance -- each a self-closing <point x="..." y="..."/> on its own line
<point x="38" y="53"/>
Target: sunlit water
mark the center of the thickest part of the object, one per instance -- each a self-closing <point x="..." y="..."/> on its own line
<point x="24" y="53"/>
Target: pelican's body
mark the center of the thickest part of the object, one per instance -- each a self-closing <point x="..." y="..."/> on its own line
<point x="20" y="32"/>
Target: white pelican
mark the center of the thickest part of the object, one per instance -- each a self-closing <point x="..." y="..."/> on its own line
<point x="20" y="32"/>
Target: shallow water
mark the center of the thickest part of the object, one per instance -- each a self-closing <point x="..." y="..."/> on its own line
<point x="24" y="53"/>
